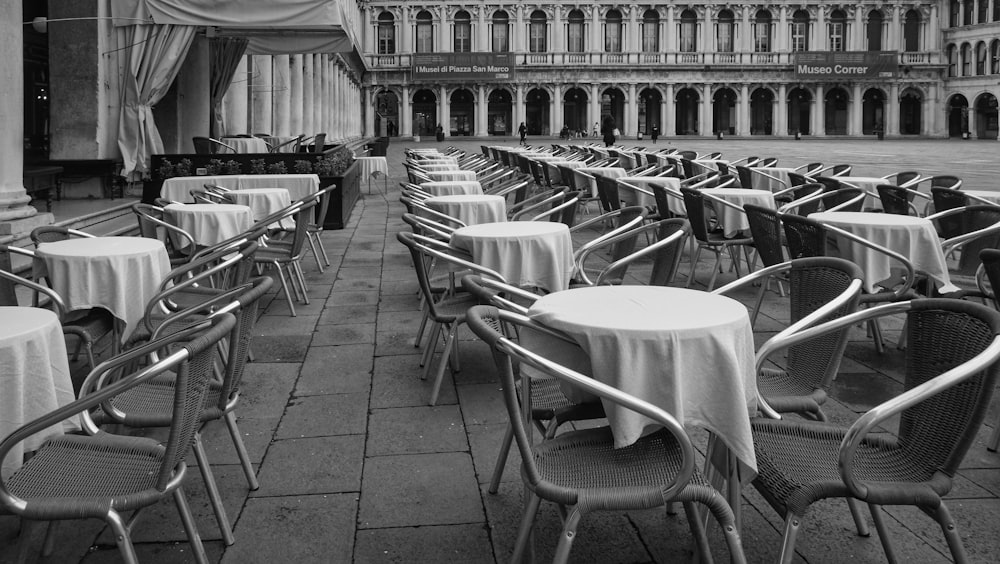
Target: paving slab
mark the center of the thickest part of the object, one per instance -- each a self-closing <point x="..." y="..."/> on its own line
<point x="413" y="430"/>
<point x="317" y="465"/>
<point x="336" y="370"/>
<point x="469" y="544"/>
<point x="324" y="416"/>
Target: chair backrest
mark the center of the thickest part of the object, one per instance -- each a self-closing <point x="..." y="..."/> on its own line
<point x="667" y="256"/>
<point x="745" y="175"/>
<point x="768" y="161"/>
<point x="694" y="205"/>
<point x="847" y="198"/>
<point x="765" y="229"/>
<point x="618" y="247"/>
<point x="690" y="155"/>
<point x="812" y="168"/>
<point x="796" y="179"/>
<point x="568" y="178"/>
<point x="802" y="201"/>
<point x="971" y="219"/>
<point x="805" y="237"/>
<point x="895" y="200"/>
<point x="152" y="225"/>
<point x="991" y="269"/>
<point x="607" y="191"/>
<point x="946" y="181"/>
<point x="10" y="281"/>
<point x="319" y="142"/>
<point x="905" y="177"/>
<point x="52" y="233"/>
<point x="245" y="309"/>
<point x="947" y="199"/>
<point x="202" y="145"/>
<point x="829" y="183"/>
<point x="565" y="212"/>
<point x="841" y="170"/>
<point x="662" y="199"/>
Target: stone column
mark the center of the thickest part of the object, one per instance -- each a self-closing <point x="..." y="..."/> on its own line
<point x="282" y="99"/>
<point x="308" y="94"/>
<point x="670" y="115"/>
<point x="482" y="111"/>
<point x="16" y="216"/>
<point x="746" y="31"/>
<point x="518" y="106"/>
<point x="234" y="102"/>
<point x="369" y="111"/>
<point x="261" y="94"/>
<point x="820" y="37"/>
<point x="596" y="45"/>
<point x="743" y="115"/>
<point x="444" y="109"/>
<point x="405" y="113"/>
<point x="891" y="112"/>
<point x="894" y="30"/>
<point x="406" y="31"/>
<point x="557" y="111"/>
<point x="706" y="39"/>
<point x="706" y="126"/>
<point x="819" y="112"/>
<point x="319" y="94"/>
<point x="671" y="38"/>
<point x="557" y="46"/>
<point x="933" y="37"/>
<point x="520" y="45"/>
<point x="632" y="113"/>
<point x="482" y="31"/>
<point x="664" y="108"/>
<point x="781" y="37"/>
<point x="857" y="33"/>
<point x="781" y="118"/>
<point x="855" y="126"/>
<point x="295" y="95"/>
<point x="595" y="106"/>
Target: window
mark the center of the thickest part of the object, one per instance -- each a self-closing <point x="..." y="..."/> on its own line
<point x="874" y="30"/>
<point x="966" y="60"/>
<point x="967" y="18"/>
<point x="800" y="31"/>
<point x="574" y="32"/>
<point x="995" y="57"/>
<point x="952" y="60"/>
<point x="984" y="10"/>
<point x="650" y="31"/>
<point x="838" y="30"/>
<point x="536" y="32"/>
<point x="386" y="34"/>
<point x="911" y="31"/>
<point x="613" y="31"/>
<point x="463" y="32"/>
<point x="689" y="32"/>
<point x="762" y="32"/>
<point x="981" y="58"/>
<point x="954" y="14"/>
<point x="425" y="32"/>
<point x="725" y="31"/>
<point x="501" y="32"/>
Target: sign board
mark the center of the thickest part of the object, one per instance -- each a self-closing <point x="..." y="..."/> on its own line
<point x="463" y="67"/>
<point x="843" y="65"/>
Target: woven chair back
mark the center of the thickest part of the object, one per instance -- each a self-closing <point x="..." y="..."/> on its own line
<point x="805" y="237"/>
<point x="765" y="229"/>
<point x="894" y="199"/>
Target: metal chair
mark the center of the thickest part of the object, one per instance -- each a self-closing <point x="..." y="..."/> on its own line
<point x="179" y="243"/>
<point x="768" y="241"/>
<point x="289" y="257"/>
<point x="209" y="146"/>
<point x="694" y="204"/>
<point x="950" y="372"/>
<point x="104" y="476"/>
<point x="52" y="233"/>
<point x="898" y="199"/>
<point x="975" y="228"/>
<point x="989" y="282"/>
<point x="582" y="471"/>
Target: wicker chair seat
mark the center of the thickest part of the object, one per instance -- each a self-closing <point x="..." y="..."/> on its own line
<point x="81" y="476"/>
<point x="792" y="474"/>
<point x="788" y="394"/>
<point x="150" y="404"/>
<point x="548" y="401"/>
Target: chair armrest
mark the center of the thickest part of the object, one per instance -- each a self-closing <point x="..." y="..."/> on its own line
<point x="756" y="170"/>
<point x="950" y="245"/>
<point x="645" y="251"/>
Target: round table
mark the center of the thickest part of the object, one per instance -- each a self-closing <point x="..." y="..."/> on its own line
<point x="868" y="184"/>
<point x="735" y="221"/>
<point x="771" y="178"/>
<point x="526" y="253"/>
<point x="34" y="376"/>
<point x="244" y="145"/>
<point x="977" y="197"/>
<point x="120" y="274"/>
<point x="636" y="198"/>
<point x="913" y="237"/>
<point x="261" y="201"/>
<point x="209" y="224"/>
<point x="444" y="175"/>
<point x="452" y="187"/>
<point x="429" y="166"/>
<point x="585" y="176"/>
<point x="470" y="209"/>
<point x="688" y="352"/>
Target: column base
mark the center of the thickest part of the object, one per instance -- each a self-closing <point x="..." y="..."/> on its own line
<point x="24" y="225"/>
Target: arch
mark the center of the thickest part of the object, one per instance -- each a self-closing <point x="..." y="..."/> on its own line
<point x="686" y="112"/>
<point x="462" y="105"/>
<point x="966" y="59"/>
<point x="986" y="116"/>
<point x="500" y="103"/>
<point x="613" y="104"/>
<point x="873" y="111"/>
<point x="650" y="31"/>
<point x="799" y="104"/>
<point x="537" y="104"/>
<point x="995" y="56"/>
<point x="835" y="111"/>
<point x="911" y="103"/>
<point x="967" y="10"/>
<point x="650" y="101"/>
<point x="424" y="112"/>
<point x="762" y="111"/>
<point x="386" y="33"/>
<point x="725" y="31"/>
<point x="911" y="31"/>
<point x="873" y="30"/>
<point x="838" y="30"/>
<point x="951" y="54"/>
<point x="954" y="13"/>
<point x="800" y="30"/>
<point x="575" y="109"/>
<point x="983" y="11"/>
<point x="386" y="113"/>
<point x="958" y="115"/>
<point x="724" y="111"/>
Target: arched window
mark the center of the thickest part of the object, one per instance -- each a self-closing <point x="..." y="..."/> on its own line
<point x="981" y="58"/>
<point x="952" y="53"/>
<point x="838" y="30"/>
<point x="800" y="30"/>
<point x="967" y="15"/>
<point x="762" y="31"/>
<point x="613" y="31"/>
<point x="984" y="11"/>
<point x="650" y="31"/>
<point x="463" y="32"/>
<point x="911" y="31"/>
<point x="425" y="32"/>
<point x="954" y="14"/>
<point x="966" y="60"/>
<point x="536" y="32"/>
<point x="725" y="31"/>
<point x="874" y="30"/>
<point x="386" y="34"/>
<point x="689" y="32"/>
<point x="574" y="32"/>
<point x="500" y="34"/>
<point x="995" y="57"/>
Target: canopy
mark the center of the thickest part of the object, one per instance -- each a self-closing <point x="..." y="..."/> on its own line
<point x="265" y="14"/>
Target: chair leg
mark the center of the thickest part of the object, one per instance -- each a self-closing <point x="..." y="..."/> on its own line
<point x="859" y="518"/>
<point x="883" y="533"/>
<point x="194" y="539"/>
<point x="443" y="363"/>
<point x="567" y="536"/>
<point x="508" y="438"/>
<point x="322" y="247"/>
<point x="715" y="270"/>
<point x="114" y="519"/>
<point x="312" y="247"/>
<point x="758" y="302"/>
<point x="524" y="531"/>
<point x="429" y="348"/>
<point x="792" y="523"/>
<point x="284" y="287"/>
<point x="241" y="450"/>
<point x="704" y="552"/>
<point x="994" y="439"/>
<point x="943" y="517"/>
<point x="212" y="487"/>
<point x="694" y="265"/>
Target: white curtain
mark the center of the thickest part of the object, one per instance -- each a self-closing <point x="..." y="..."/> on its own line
<point x="154" y="54"/>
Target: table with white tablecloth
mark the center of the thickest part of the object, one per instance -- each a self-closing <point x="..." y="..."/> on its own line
<point x="209" y="224"/>
<point x="633" y="197"/>
<point x="452" y="187"/>
<point x="735" y="221"/>
<point x="34" y="377"/>
<point x="688" y="352"/>
<point x="244" y="145"/>
<point x="585" y="177"/>
<point x="299" y="186"/>
<point x="868" y="184"/>
<point x="555" y="173"/>
<point x="263" y="202"/>
<point x="443" y="175"/>
<point x="772" y="179"/>
<point x="913" y="237"/>
<point x="470" y="209"/>
<point x="369" y="167"/>
<point x="119" y="274"/>
<point x="526" y="253"/>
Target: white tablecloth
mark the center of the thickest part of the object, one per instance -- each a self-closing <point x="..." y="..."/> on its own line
<point x="178" y="189"/>
<point x="708" y="165"/>
<point x="762" y="182"/>
<point x="445" y="175"/>
<point x="735" y="221"/>
<point x="867" y="183"/>
<point x="470" y="209"/>
<point x="555" y="174"/>
<point x="34" y="376"/>
<point x="244" y="145"/>
<point x="120" y="274"/>
<point x="209" y="224"/>
<point x="263" y="202"/>
<point x="437" y="166"/>
<point x="369" y="165"/>
<point x="634" y="198"/>
<point x="912" y="237"/>
<point x="453" y="187"/>
<point x="585" y="174"/>
<point x="526" y="253"/>
<point x="688" y="352"/>
<point x="992" y="196"/>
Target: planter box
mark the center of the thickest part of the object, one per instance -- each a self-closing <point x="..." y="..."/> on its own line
<point x="342" y="198"/>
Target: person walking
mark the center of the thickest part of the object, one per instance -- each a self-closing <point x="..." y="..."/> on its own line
<point x="654" y="133"/>
<point x="522" y="131"/>
<point x="608" y="131"/>
<point x="596" y="128"/>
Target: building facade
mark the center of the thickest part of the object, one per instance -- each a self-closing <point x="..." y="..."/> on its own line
<point x="704" y="68"/>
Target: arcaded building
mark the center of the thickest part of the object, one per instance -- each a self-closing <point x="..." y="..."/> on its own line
<point x="813" y="68"/>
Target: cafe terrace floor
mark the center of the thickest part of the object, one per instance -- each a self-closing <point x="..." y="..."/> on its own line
<point x="354" y="465"/>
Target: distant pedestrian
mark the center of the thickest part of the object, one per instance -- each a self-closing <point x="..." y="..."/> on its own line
<point x="596" y="128"/>
<point x="522" y="131"/>
<point x="608" y="131"/>
<point x="654" y="133"/>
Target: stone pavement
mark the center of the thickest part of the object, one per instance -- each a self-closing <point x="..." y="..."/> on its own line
<point x="354" y="465"/>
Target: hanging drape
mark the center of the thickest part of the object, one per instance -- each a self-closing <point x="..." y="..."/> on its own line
<point x="153" y="54"/>
<point x="226" y="54"/>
